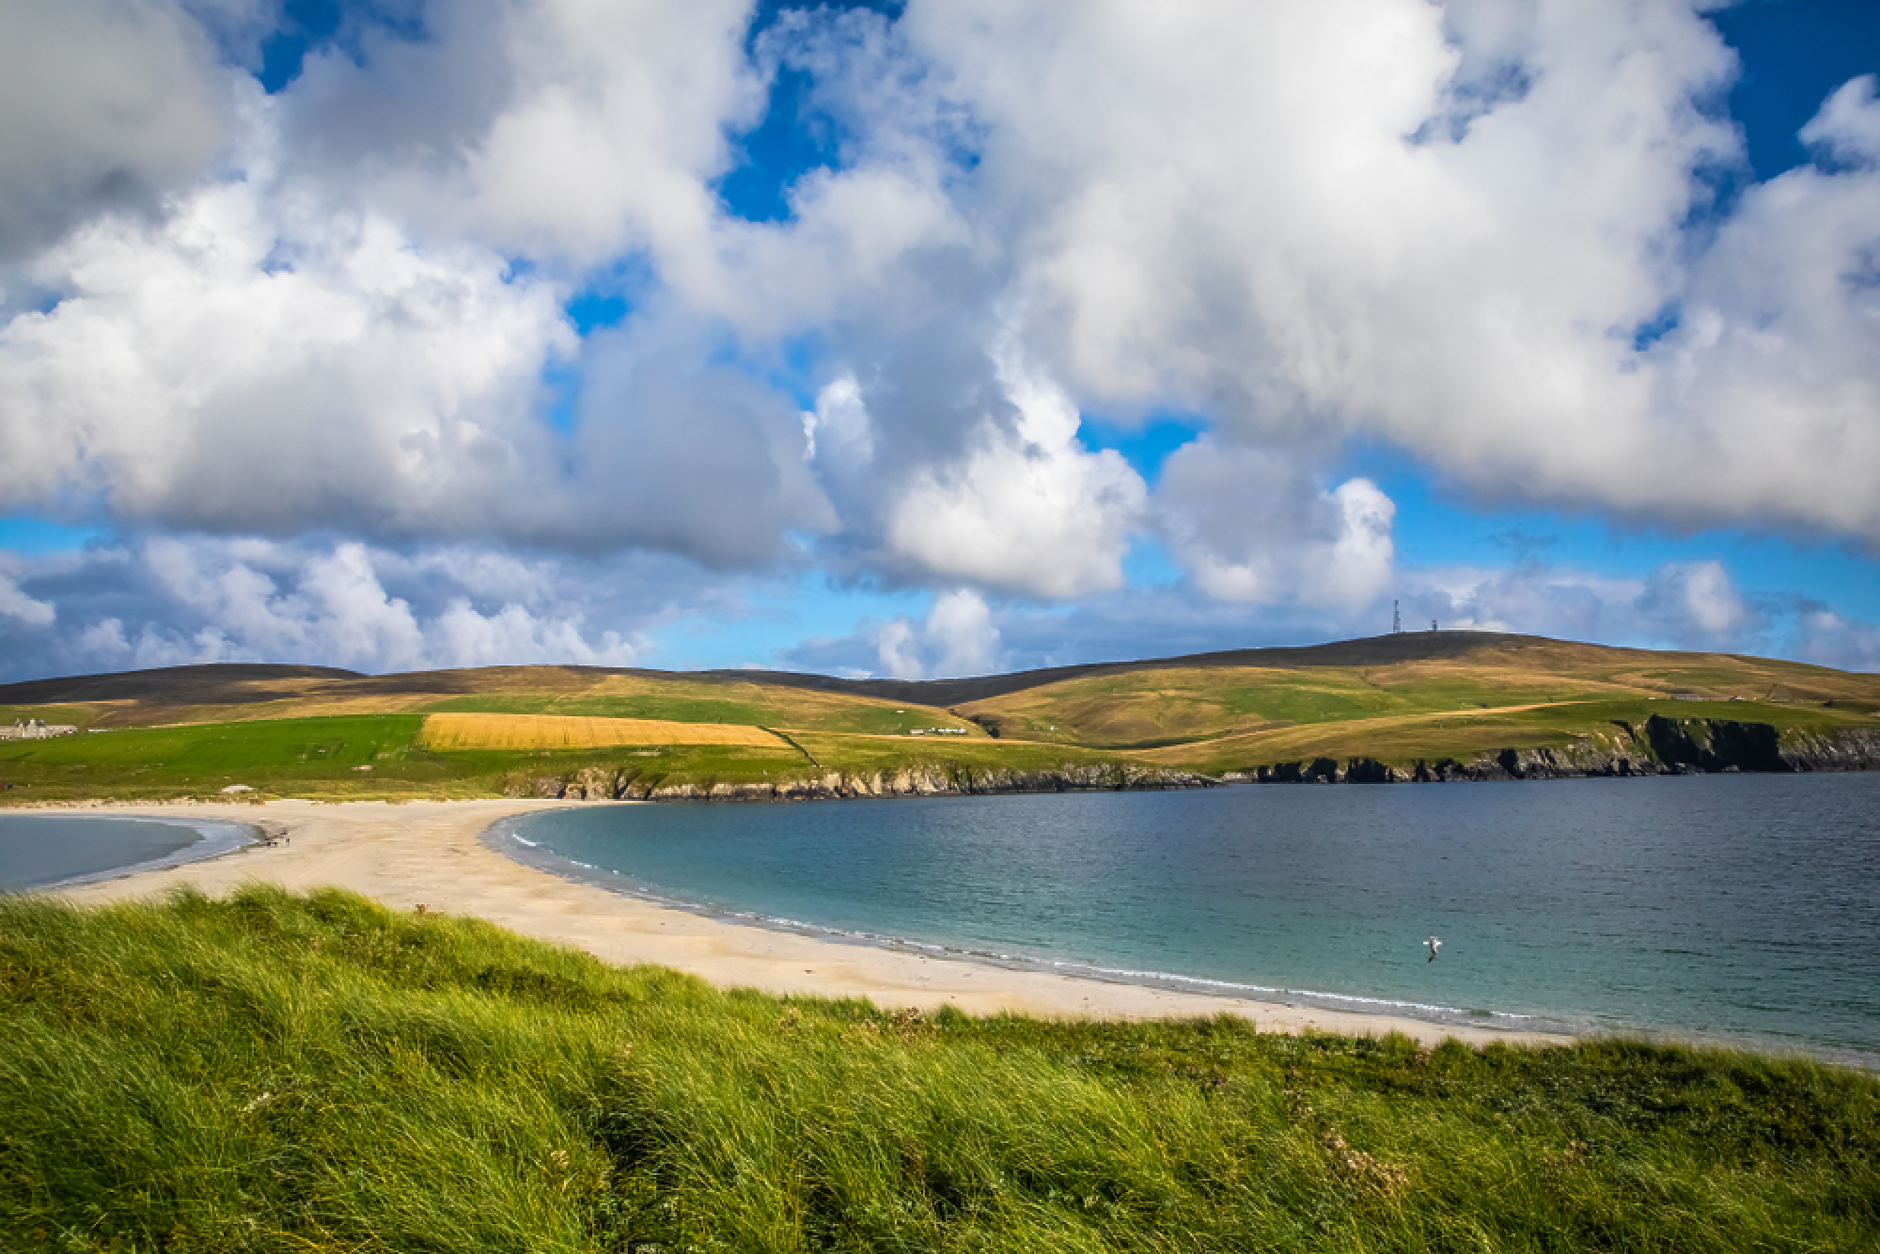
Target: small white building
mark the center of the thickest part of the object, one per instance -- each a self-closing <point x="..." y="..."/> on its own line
<point x="33" y="729"/>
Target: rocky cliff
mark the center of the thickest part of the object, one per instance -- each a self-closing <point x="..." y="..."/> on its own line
<point x="1658" y="746"/>
<point x="608" y="783"/>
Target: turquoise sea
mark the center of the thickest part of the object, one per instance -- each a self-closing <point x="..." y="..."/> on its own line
<point x="40" y="850"/>
<point x="1734" y="908"/>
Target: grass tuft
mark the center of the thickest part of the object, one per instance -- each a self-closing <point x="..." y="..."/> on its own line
<point x="281" y="1072"/>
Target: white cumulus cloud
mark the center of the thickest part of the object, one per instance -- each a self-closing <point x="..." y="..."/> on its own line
<point x="958" y="637"/>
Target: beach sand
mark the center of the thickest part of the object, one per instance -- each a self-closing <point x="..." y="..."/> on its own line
<point x="430" y="854"/>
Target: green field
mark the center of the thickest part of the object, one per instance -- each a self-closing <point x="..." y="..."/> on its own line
<point x="322" y="757"/>
<point x="1397" y="700"/>
<point x="273" y="1072"/>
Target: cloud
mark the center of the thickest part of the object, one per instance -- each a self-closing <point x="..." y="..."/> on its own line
<point x="1481" y="234"/>
<point x="1847" y="129"/>
<point x="171" y="600"/>
<point x="1444" y="228"/>
<point x="262" y="362"/>
<point x="1826" y="638"/>
<point x="1027" y="508"/>
<point x="1679" y="605"/>
<point x="1695" y="599"/>
<point x="1768" y="390"/>
<point x="259" y="362"/>
<point x="980" y="477"/>
<point x="16" y="604"/>
<point x="960" y="627"/>
<point x="1250" y="526"/>
<point x="104" y="105"/>
<point x="958" y="637"/>
<point x="563" y="130"/>
<point x="677" y="454"/>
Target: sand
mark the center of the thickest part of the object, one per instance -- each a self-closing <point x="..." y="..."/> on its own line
<point x="430" y="854"/>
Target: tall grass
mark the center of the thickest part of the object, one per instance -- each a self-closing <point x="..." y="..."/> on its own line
<point x="273" y="1072"/>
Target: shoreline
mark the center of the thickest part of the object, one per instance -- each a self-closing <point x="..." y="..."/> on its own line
<point x="618" y="884"/>
<point x="216" y="837"/>
<point x="434" y="854"/>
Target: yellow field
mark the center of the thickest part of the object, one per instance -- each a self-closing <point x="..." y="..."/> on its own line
<point x="551" y="731"/>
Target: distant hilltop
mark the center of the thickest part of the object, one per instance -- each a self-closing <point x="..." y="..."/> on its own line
<point x="1418" y="706"/>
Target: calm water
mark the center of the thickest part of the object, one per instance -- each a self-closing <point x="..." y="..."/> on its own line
<point x="37" y="850"/>
<point x="1737" y="907"/>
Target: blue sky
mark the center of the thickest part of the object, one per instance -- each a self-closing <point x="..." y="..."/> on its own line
<point x="874" y="339"/>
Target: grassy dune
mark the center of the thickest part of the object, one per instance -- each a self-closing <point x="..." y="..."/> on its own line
<point x="273" y="1072"/>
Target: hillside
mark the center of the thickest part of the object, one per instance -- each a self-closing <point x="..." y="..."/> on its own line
<point x="1415" y="705"/>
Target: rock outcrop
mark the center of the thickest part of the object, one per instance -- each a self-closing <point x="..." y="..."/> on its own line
<point x="635" y="783"/>
<point x="1658" y="746"/>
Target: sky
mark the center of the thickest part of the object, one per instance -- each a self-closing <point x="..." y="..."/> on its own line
<point x="932" y="338"/>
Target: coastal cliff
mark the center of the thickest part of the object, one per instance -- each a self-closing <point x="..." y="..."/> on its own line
<point x="1657" y="746"/>
<point x="631" y="783"/>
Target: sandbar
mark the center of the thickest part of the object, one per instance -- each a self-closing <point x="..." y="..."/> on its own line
<point x="430" y="855"/>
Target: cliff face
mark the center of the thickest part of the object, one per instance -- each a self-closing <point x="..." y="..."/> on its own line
<point x="1658" y="746"/>
<point x="604" y="783"/>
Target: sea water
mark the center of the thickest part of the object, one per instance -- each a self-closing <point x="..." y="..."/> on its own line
<point x="40" y="850"/>
<point x="1742" y="909"/>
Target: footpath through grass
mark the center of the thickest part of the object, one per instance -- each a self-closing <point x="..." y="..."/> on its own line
<point x="275" y="1072"/>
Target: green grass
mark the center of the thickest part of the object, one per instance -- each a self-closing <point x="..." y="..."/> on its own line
<point x="1194" y="717"/>
<point x="1160" y="708"/>
<point x="273" y="1072"/>
<point x="1464" y="736"/>
<point x="652" y="767"/>
<point x="317" y="754"/>
<point x="320" y="757"/>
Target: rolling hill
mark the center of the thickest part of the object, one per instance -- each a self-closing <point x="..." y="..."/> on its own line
<point x="1429" y="705"/>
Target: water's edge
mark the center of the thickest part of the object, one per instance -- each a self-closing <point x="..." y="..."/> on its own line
<point x="216" y="838"/>
<point x="503" y="838"/>
<point x="1853" y="752"/>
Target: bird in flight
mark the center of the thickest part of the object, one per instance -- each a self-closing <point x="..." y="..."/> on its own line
<point x="1432" y="944"/>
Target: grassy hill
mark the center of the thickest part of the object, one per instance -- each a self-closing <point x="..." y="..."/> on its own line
<point x="271" y="1072"/>
<point x="1429" y="696"/>
<point x="1393" y="706"/>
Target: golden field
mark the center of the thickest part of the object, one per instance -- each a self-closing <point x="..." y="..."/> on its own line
<point x="553" y="731"/>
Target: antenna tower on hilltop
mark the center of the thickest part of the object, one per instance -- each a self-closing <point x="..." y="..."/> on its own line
<point x="1396" y="620"/>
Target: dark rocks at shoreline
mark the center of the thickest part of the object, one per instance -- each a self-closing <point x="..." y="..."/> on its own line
<point x="1659" y="746"/>
<point x="608" y="784"/>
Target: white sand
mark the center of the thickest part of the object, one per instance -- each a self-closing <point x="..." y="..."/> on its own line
<point x="430" y="854"/>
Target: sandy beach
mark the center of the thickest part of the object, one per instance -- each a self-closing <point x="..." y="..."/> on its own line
<point x="430" y="855"/>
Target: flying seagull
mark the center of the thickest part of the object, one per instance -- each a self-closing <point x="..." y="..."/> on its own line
<point x="1432" y="944"/>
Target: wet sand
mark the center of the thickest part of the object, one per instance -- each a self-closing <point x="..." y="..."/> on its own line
<point x="431" y="854"/>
